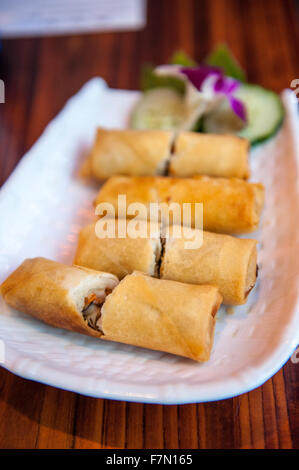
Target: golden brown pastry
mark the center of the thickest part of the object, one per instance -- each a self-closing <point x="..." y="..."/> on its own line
<point x="227" y="262"/>
<point x="140" y="310"/>
<point x="224" y="261"/>
<point x="230" y="205"/>
<point x="128" y="152"/>
<point x="150" y="152"/>
<point x="120" y="256"/>
<point x="210" y="154"/>
<point x="67" y="297"/>
<point x="163" y="315"/>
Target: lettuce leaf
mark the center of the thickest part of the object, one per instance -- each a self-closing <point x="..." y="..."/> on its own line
<point x="181" y="58"/>
<point x="150" y="80"/>
<point x="222" y="57"/>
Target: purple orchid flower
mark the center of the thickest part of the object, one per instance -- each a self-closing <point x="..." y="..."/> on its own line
<point x="224" y="85"/>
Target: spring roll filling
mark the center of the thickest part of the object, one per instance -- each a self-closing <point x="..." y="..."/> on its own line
<point x="164" y="171"/>
<point x="92" y="310"/>
<point x="251" y="286"/>
<point x="160" y="256"/>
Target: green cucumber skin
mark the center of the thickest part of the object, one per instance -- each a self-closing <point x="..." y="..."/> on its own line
<point x="253" y="142"/>
<point x="273" y="132"/>
<point x="261" y="140"/>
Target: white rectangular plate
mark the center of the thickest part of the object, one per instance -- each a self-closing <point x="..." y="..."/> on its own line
<point x="44" y="204"/>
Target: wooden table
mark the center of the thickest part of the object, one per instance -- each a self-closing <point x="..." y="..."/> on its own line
<point x="40" y="75"/>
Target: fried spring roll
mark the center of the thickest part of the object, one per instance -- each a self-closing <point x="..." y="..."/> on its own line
<point x="148" y="152"/>
<point x="120" y="256"/>
<point x="229" y="205"/>
<point x="68" y="297"/>
<point x="163" y="315"/>
<point x="142" y="311"/>
<point x="227" y="262"/>
<point x="210" y="154"/>
<point x="128" y="152"/>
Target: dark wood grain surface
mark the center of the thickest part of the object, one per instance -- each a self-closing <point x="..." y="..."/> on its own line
<point x="40" y="74"/>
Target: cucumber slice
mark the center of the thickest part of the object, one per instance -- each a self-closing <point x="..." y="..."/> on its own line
<point x="222" y="121"/>
<point x="159" y="108"/>
<point x="265" y="115"/>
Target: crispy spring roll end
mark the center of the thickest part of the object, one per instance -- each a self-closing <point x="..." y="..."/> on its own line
<point x="252" y="271"/>
<point x="259" y="200"/>
<point x="205" y="354"/>
<point x="69" y="297"/>
<point x="120" y="256"/>
<point x="85" y="170"/>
